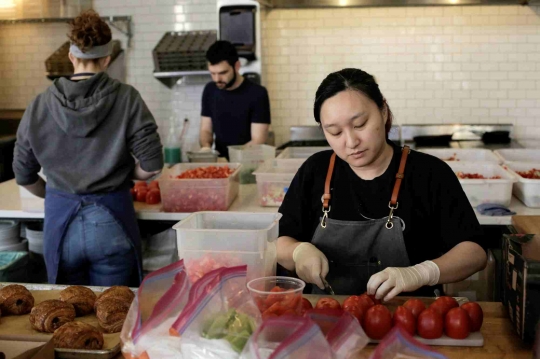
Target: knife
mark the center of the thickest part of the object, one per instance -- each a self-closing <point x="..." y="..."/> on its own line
<point x="327" y="287"/>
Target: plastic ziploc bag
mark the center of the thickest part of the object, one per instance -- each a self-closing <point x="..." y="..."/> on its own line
<point x="159" y="300"/>
<point x="342" y="331"/>
<point x="287" y="337"/>
<point x="399" y="344"/>
<point x="220" y="316"/>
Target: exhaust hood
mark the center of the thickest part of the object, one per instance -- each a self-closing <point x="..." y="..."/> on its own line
<point x="297" y="4"/>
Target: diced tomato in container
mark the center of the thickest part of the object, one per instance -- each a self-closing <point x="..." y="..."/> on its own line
<point x="276" y="296"/>
<point x="194" y="187"/>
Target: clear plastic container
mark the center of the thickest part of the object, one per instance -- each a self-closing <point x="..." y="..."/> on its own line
<point x="301" y="152"/>
<point x="284" y="290"/>
<point x="526" y="189"/>
<point x="209" y="240"/>
<point x="273" y="181"/>
<point x="250" y="157"/>
<point x="464" y="155"/>
<point x="193" y="195"/>
<point x="480" y="191"/>
<point x="519" y="155"/>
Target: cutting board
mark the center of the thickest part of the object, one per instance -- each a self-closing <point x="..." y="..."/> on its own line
<point x="17" y="327"/>
<point x="143" y="207"/>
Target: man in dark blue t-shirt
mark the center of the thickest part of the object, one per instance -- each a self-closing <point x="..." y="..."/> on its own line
<point x="235" y="109"/>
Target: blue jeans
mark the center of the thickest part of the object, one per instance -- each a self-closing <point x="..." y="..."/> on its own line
<point x="96" y="250"/>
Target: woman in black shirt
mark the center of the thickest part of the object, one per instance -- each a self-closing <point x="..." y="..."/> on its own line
<point x="369" y="215"/>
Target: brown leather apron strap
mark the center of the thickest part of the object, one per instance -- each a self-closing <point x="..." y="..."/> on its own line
<point x="399" y="176"/>
<point x="327" y="196"/>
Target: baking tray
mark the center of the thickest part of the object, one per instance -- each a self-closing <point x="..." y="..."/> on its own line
<point x="108" y="353"/>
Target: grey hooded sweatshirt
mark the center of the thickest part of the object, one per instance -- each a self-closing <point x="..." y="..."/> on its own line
<point x="83" y="134"/>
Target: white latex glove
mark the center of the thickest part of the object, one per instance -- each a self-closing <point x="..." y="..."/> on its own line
<point x="311" y="264"/>
<point x="205" y="149"/>
<point x="392" y="281"/>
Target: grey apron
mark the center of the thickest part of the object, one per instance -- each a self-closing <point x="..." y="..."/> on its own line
<point x="358" y="249"/>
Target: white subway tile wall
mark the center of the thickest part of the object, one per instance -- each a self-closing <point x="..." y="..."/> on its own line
<point x="459" y="64"/>
<point x="456" y="64"/>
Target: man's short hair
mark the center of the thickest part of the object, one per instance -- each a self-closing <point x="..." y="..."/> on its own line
<point x="222" y="51"/>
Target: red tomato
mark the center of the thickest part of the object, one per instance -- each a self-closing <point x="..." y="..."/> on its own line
<point x="356" y="311"/>
<point x="457" y="324"/>
<point x="133" y="193"/>
<point x="140" y="184"/>
<point x="416" y="306"/>
<point x="154" y="184"/>
<point x="306" y="305"/>
<point x="153" y="197"/>
<point x="377" y="321"/>
<point x="372" y="297"/>
<point x="367" y="302"/>
<point x="330" y="303"/>
<point x="404" y="318"/>
<point x="444" y="304"/>
<point x="352" y="301"/>
<point x="430" y="324"/>
<point x="476" y="315"/>
<point x="141" y="194"/>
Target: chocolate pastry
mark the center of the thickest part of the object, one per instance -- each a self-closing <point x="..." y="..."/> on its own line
<point x="16" y="299"/>
<point x="78" y="335"/>
<point x="111" y="314"/>
<point x="122" y="293"/>
<point x="50" y="315"/>
<point x="81" y="298"/>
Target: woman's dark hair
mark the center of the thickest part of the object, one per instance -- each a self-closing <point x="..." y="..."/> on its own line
<point x="88" y="30"/>
<point x="222" y="51"/>
<point x="354" y="80"/>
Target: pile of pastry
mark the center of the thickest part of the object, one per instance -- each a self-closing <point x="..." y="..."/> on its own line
<point x="58" y="315"/>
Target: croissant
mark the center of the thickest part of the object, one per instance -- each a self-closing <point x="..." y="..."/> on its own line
<point x="81" y="298"/>
<point x="50" y="315"/>
<point x="16" y="299"/>
<point x="122" y="293"/>
<point x="111" y="314"/>
<point x="78" y="335"/>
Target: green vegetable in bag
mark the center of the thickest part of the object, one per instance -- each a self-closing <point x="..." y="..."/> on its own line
<point x="234" y="327"/>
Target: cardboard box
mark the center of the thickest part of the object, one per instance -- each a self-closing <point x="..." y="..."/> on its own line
<point x="522" y="282"/>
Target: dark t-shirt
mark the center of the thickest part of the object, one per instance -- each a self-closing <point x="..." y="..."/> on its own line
<point x="436" y="212"/>
<point x="233" y="112"/>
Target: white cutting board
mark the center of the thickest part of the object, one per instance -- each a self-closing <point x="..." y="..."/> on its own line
<point x="475" y="339"/>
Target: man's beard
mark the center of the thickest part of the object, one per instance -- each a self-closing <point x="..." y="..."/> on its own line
<point x="230" y="83"/>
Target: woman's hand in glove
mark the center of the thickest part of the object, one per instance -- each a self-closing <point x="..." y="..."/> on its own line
<point x="310" y="263"/>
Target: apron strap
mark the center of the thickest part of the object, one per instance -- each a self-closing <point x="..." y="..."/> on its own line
<point x="327" y="196"/>
<point x="393" y="204"/>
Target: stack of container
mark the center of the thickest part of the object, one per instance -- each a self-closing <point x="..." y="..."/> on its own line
<point x="34" y="235"/>
<point x="10" y="241"/>
<point x="482" y="162"/>
<point x="209" y="240"/>
<point x="273" y="180"/>
<point x="523" y="160"/>
<point x="251" y="158"/>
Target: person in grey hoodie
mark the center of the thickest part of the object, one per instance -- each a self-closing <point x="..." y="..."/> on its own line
<point x="91" y="135"/>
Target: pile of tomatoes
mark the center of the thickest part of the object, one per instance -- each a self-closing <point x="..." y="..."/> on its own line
<point x="531" y="174"/>
<point x="442" y="316"/>
<point x="147" y="193"/>
<point x="207" y="172"/>
<point x="464" y="175"/>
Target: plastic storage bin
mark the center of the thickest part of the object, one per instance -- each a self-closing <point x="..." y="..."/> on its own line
<point x="209" y="240"/>
<point x="193" y="195"/>
<point x="519" y="155"/>
<point x="273" y="181"/>
<point x="526" y="189"/>
<point x="250" y="157"/>
<point x="464" y="155"/>
<point x="301" y="152"/>
<point x="480" y="191"/>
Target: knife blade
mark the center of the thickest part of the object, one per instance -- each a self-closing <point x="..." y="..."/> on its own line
<point x="327" y="287"/>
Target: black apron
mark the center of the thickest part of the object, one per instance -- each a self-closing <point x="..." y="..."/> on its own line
<point x="358" y="249"/>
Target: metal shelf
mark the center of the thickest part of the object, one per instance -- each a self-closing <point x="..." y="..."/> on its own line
<point x="120" y="23"/>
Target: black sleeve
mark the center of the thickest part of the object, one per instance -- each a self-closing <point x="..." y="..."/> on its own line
<point x="142" y="136"/>
<point x="260" y="112"/>
<point x="295" y="208"/>
<point x="206" y="109"/>
<point x="25" y="163"/>
<point x="457" y="219"/>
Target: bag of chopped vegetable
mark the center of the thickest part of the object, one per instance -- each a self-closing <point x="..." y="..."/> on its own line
<point x="287" y="337"/>
<point x="219" y="318"/>
<point x="159" y="300"/>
